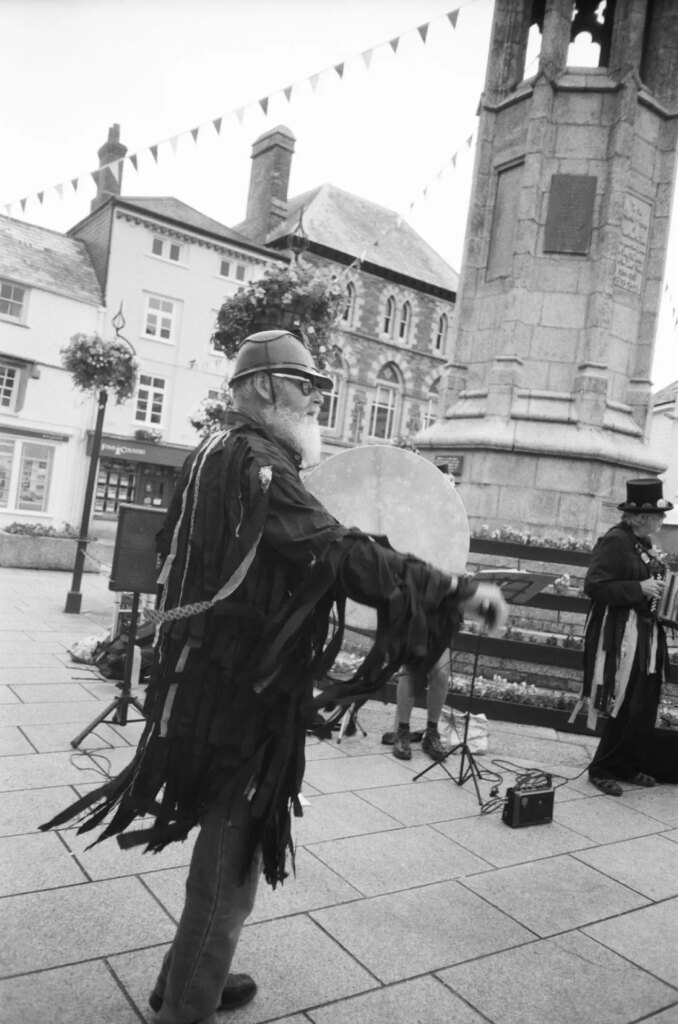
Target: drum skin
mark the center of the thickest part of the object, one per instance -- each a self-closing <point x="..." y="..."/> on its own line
<point x="394" y="493"/>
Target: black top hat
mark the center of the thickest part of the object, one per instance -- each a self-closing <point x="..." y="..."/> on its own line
<point x="645" y="495"/>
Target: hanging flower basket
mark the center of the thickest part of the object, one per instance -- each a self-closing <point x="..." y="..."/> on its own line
<point x="299" y="296"/>
<point x="97" y="365"/>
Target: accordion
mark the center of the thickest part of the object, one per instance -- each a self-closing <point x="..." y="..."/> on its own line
<point x="667" y="608"/>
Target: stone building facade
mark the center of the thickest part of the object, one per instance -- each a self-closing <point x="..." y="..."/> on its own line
<point x="548" y="388"/>
<point x="391" y="344"/>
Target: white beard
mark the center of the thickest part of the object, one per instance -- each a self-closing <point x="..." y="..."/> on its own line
<point x="299" y="431"/>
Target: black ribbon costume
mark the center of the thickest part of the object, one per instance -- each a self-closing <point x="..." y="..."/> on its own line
<point x="256" y="577"/>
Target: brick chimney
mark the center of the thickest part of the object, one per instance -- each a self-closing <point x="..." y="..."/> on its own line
<point x="107" y="184"/>
<point x="269" y="181"/>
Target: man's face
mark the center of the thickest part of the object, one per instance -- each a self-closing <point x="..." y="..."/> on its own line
<point x="293" y="416"/>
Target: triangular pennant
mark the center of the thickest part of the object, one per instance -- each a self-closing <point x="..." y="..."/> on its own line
<point x="154" y="152"/>
<point x="23" y="204"/>
<point x="454" y="160"/>
<point x="423" y="30"/>
<point x="314" y="81"/>
<point x="75" y="182"/>
<point x="394" y="44"/>
<point x="174" y="142"/>
<point x="425" y="192"/>
<point x="95" y="177"/>
<point x="240" y="113"/>
<point x="339" y="68"/>
<point x="114" y="168"/>
<point x="453" y="15"/>
<point x="470" y="139"/>
<point x="288" y="93"/>
<point x="217" y="125"/>
<point x="41" y="196"/>
<point x="264" y="104"/>
<point x="367" y="57"/>
<point x="194" y="133"/>
<point x="60" y="191"/>
<point x="134" y="160"/>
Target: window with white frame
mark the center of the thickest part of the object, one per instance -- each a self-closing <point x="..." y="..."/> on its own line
<point x="160" y="318"/>
<point x="150" y="400"/>
<point x="441" y="333"/>
<point x="348" y="311"/>
<point x="9" y="386"/>
<point x="25" y="475"/>
<point x="389" y="317"/>
<point x="232" y="269"/>
<point x="384" y="408"/>
<point x="166" y="249"/>
<point x="431" y="410"/>
<point x="12" y="300"/>
<point x="329" y="412"/>
<point x="405" y="321"/>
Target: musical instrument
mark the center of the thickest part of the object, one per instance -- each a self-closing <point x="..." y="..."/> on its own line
<point x="393" y="492"/>
<point x="667" y="606"/>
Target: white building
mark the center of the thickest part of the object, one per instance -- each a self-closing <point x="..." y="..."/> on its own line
<point x="48" y="292"/>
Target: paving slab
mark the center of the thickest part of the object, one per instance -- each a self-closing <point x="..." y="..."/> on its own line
<point x="83" y="993"/>
<point x="107" y="860"/>
<point x="393" y="861"/>
<point x="31" y="692"/>
<point x="564" y="980"/>
<point x="405" y="934"/>
<point x="597" y="819"/>
<point x="647" y="937"/>
<point x="648" y="864"/>
<point x="416" y="804"/>
<point x="488" y="836"/>
<point x="21" y="811"/>
<point x="337" y="816"/>
<point x="79" y="923"/>
<point x="356" y="773"/>
<point x="660" y="803"/>
<point x="423" y="1000"/>
<point x="49" y="712"/>
<point x="58" y="736"/>
<point x="36" y="771"/>
<point x="37" y="861"/>
<point x="554" y="895"/>
<point x="13" y="741"/>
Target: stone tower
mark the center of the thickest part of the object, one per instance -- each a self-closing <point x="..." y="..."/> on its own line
<point x="548" y="390"/>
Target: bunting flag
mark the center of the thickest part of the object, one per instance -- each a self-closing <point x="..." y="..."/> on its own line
<point x="365" y="56"/>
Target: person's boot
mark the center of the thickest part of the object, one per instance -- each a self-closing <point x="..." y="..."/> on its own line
<point x="238" y="990"/>
<point x="433" y="745"/>
<point x="401" y="745"/>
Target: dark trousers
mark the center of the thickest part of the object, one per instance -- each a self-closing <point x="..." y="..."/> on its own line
<point x="625" y="747"/>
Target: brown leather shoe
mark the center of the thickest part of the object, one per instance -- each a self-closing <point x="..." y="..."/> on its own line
<point x="401" y="746"/>
<point x="238" y="990"/>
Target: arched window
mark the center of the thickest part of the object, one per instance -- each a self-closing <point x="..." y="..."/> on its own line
<point x="348" y="312"/>
<point x="405" y="321"/>
<point x="384" y="409"/>
<point x="431" y="404"/>
<point x="332" y="400"/>
<point x="389" y="316"/>
<point x="441" y="333"/>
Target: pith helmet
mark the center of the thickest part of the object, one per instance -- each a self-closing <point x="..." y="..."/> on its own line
<point x="277" y="350"/>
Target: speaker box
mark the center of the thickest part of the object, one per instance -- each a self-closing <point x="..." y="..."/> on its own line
<point x="135" y="561"/>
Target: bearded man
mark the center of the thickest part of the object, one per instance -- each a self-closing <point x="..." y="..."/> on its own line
<point x="254" y="566"/>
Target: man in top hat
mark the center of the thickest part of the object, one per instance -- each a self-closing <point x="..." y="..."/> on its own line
<point x="256" y="572"/>
<point x="625" y="656"/>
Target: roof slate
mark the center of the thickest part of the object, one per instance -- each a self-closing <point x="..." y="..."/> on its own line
<point x="352" y="225"/>
<point x="665" y="395"/>
<point x="40" y="258"/>
<point x="173" y="209"/>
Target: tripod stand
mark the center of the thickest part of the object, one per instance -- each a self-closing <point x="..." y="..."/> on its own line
<point x="468" y="766"/>
<point x="118" y="706"/>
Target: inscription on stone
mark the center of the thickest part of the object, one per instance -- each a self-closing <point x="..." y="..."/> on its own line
<point x="629" y="267"/>
<point x="569" y="218"/>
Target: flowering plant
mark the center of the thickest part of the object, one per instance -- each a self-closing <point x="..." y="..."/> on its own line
<point x="514" y="536"/>
<point x="499" y="688"/>
<point x="298" y="296"/>
<point x="98" y="365"/>
<point x="209" y="416"/>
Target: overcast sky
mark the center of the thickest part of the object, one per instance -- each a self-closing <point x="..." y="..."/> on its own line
<point x="159" y="68"/>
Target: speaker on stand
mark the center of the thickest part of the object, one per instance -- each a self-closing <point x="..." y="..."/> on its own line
<point x="135" y="571"/>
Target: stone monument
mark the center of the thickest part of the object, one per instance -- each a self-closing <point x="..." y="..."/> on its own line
<point x="545" y="410"/>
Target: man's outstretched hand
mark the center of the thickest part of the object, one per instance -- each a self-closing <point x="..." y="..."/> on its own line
<point x="487" y="605"/>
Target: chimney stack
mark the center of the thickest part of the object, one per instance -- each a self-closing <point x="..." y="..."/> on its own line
<point x="107" y="183"/>
<point x="269" y="181"/>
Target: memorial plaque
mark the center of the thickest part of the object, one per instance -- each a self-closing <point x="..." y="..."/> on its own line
<point x="569" y="219"/>
<point x="629" y="267"/>
<point x="453" y="464"/>
<point x="504" y="220"/>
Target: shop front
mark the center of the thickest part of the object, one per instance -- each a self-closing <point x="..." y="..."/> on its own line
<point x="134" y="472"/>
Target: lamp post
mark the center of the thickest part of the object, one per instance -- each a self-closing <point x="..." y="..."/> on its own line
<point x="74" y="596"/>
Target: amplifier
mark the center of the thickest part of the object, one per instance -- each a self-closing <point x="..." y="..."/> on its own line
<point x="528" y="807"/>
